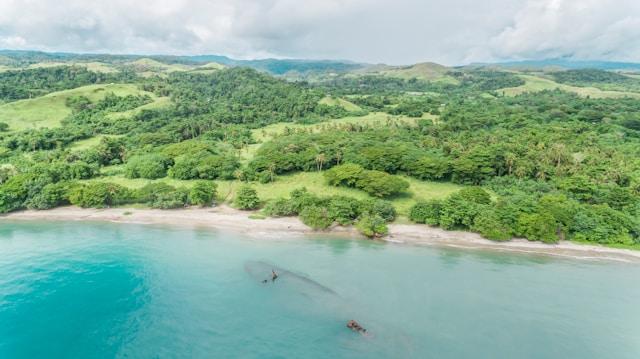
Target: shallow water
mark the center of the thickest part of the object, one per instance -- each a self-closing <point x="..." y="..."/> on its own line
<point x="98" y="290"/>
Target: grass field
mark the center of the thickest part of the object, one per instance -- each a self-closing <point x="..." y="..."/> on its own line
<point x="535" y="84"/>
<point x="313" y="181"/>
<point x="380" y="119"/>
<point x="49" y="110"/>
<point x="333" y="101"/>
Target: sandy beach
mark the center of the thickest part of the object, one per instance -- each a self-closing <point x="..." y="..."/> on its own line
<point x="227" y="218"/>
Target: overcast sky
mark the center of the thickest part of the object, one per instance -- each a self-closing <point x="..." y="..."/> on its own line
<point x="389" y="31"/>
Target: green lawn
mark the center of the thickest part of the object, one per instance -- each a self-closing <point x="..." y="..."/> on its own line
<point x="313" y="181"/>
<point x="49" y="110"/>
<point x="535" y="84"/>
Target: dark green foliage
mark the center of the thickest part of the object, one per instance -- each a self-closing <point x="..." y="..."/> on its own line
<point x="161" y="195"/>
<point x="4" y="127"/>
<point x="376" y="183"/>
<point x="378" y="207"/>
<point x="99" y="195"/>
<point x="203" y="193"/>
<point x="280" y="207"/>
<point x="426" y="212"/>
<point x="205" y="166"/>
<point x="50" y="196"/>
<point x="16" y="85"/>
<point x="316" y="217"/>
<point x="149" y="166"/>
<point x="246" y="198"/>
<point x="372" y="226"/>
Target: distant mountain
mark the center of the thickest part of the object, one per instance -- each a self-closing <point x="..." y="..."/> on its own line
<point x="273" y="66"/>
<point x="563" y="63"/>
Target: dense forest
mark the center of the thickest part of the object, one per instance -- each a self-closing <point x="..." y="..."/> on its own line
<point x="547" y="166"/>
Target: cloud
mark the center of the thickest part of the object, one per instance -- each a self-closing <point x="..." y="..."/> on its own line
<point x="398" y="31"/>
<point x="585" y="29"/>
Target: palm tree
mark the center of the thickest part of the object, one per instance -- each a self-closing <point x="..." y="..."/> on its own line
<point x="320" y="159"/>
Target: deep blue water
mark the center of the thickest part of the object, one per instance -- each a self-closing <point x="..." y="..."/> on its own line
<point x="98" y="290"/>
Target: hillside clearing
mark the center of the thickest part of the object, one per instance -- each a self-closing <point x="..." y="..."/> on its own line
<point x="535" y="84"/>
<point x="50" y="110"/>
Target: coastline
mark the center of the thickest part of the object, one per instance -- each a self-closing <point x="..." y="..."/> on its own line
<point x="227" y="218"/>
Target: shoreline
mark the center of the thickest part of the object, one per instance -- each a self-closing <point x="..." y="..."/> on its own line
<point x="227" y="218"/>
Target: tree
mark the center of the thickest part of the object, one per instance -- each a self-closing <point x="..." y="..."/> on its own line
<point x="202" y="193"/>
<point x="151" y="166"/>
<point x="316" y="217"/>
<point x="426" y="212"/>
<point x="246" y="198"/>
<point x="372" y="226"/>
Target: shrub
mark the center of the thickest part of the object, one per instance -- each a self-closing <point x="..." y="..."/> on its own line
<point x="372" y="226"/>
<point x="489" y="224"/>
<point x="426" y="212"/>
<point x="538" y="227"/>
<point x="280" y="207"/>
<point x="4" y="127"/>
<point x="151" y="191"/>
<point x="381" y="184"/>
<point x="50" y="196"/>
<point x="151" y="166"/>
<point x="378" y="207"/>
<point x="316" y="217"/>
<point x="204" y="166"/>
<point x="343" y="175"/>
<point x="168" y="200"/>
<point x="99" y="195"/>
<point x="344" y="210"/>
<point x="376" y="183"/>
<point x="202" y="193"/>
<point x="246" y="198"/>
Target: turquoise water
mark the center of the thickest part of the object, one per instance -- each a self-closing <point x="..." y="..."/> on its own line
<point x="78" y="290"/>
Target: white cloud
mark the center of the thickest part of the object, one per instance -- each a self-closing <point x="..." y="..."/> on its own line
<point x="587" y="29"/>
<point x="398" y="31"/>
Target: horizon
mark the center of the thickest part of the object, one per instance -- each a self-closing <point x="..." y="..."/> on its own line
<point x="568" y="60"/>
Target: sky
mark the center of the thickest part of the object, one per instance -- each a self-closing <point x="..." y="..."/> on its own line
<point x="451" y="32"/>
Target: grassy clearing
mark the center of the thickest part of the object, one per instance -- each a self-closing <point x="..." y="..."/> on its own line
<point x="377" y="119"/>
<point x="49" y="110"/>
<point x="149" y="67"/>
<point x="334" y="101"/>
<point x="535" y="84"/>
<point x="313" y="181"/>
<point x="159" y="102"/>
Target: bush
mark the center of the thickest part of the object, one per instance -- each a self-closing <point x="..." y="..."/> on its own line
<point x="378" y="207"/>
<point x="489" y="224"/>
<point x="52" y="195"/>
<point x="151" y="166"/>
<point x="381" y="184"/>
<point x="372" y="226"/>
<point x="426" y="212"/>
<point x="246" y="198"/>
<point x="203" y="193"/>
<point x="204" y="166"/>
<point x="316" y="217"/>
<point x="343" y="175"/>
<point x="301" y="198"/>
<point x="344" y="210"/>
<point x="538" y="227"/>
<point x="169" y="200"/>
<point x="151" y="191"/>
<point x="280" y="207"/>
<point x="99" y="195"/>
<point x="4" y="127"/>
<point x="375" y="183"/>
